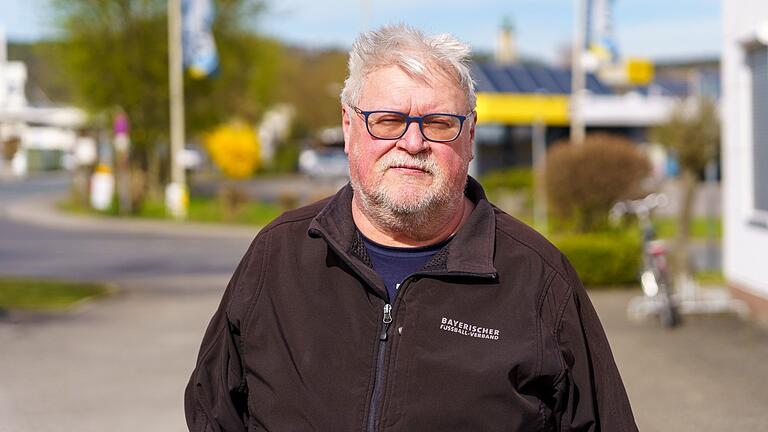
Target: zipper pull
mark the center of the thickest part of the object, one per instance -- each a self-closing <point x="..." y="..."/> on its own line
<point x="387" y="321"/>
<point x="387" y="313"/>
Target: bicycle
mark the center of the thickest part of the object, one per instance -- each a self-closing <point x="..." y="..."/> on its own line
<point x="654" y="276"/>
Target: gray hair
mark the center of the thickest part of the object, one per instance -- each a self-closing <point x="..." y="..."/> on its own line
<point x="407" y="47"/>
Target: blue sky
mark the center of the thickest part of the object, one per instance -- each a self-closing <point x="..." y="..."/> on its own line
<point x="659" y="29"/>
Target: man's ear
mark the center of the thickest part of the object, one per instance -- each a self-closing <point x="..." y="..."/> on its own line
<point x="472" y="127"/>
<point x="472" y="136"/>
<point x="346" y="124"/>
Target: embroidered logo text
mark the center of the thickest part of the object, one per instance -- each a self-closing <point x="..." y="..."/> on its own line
<point x="462" y="328"/>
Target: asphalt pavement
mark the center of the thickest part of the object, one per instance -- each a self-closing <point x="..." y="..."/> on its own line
<point x="121" y="363"/>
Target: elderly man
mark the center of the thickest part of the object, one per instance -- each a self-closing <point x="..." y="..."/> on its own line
<point x="406" y="302"/>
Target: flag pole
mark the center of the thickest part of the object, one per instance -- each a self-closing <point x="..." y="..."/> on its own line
<point x="578" y="77"/>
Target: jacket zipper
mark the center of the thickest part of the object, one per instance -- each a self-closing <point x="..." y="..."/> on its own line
<point x="383" y="337"/>
<point x="378" y="383"/>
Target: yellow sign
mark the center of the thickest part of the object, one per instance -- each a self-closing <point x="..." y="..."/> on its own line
<point x="522" y="109"/>
<point x="639" y="71"/>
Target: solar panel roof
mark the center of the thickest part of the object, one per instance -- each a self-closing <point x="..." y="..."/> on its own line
<point x="525" y="78"/>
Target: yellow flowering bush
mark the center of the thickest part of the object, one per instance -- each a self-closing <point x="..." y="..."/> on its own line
<point x="234" y="148"/>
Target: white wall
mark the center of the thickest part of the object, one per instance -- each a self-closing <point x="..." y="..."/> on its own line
<point x="13" y="78"/>
<point x="745" y="241"/>
<point x="632" y="109"/>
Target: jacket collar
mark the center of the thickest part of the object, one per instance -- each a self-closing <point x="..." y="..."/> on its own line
<point x="470" y="253"/>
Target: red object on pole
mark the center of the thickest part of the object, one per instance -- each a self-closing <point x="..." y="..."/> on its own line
<point x="120" y="125"/>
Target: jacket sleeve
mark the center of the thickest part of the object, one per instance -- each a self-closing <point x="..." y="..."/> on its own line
<point x="590" y="393"/>
<point x="216" y="395"/>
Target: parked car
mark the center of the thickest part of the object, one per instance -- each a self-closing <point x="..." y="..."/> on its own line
<point x="327" y="162"/>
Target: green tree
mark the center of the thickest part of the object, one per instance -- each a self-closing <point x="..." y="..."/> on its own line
<point x="313" y="83"/>
<point x="693" y="135"/>
<point x="115" y="54"/>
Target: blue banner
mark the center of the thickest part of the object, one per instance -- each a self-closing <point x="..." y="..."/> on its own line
<point x="200" y="55"/>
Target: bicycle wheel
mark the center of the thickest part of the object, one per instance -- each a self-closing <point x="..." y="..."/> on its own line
<point x="669" y="315"/>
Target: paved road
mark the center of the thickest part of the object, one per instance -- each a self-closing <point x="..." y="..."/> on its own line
<point x="31" y="250"/>
<point x="120" y="364"/>
<point x="109" y="254"/>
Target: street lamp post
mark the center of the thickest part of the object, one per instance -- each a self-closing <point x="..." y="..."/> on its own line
<point x="539" y="135"/>
<point x="176" y="192"/>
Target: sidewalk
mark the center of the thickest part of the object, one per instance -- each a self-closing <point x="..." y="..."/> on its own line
<point x="119" y="364"/>
<point x="708" y="375"/>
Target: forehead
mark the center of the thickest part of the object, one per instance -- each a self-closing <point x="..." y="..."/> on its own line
<point x="393" y="88"/>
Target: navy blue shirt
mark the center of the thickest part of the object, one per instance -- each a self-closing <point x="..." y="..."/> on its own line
<point x="394" y="264"/>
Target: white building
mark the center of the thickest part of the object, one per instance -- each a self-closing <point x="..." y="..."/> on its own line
<point x="745" y="151"/>
<point x="44" y="136"/>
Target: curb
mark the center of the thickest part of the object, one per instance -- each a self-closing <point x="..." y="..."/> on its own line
<point x="42" y="211"/>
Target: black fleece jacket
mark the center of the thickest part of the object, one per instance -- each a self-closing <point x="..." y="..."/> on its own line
<point x="495" y="333"/>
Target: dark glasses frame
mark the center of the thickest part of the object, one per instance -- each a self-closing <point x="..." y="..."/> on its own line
<point x="411" y="119"/>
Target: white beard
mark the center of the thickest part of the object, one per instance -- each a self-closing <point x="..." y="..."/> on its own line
<point x="410" y="209"/>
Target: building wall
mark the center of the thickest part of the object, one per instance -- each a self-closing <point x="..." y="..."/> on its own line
<point x="13" y="78"/>
<point x="745" y="227"/>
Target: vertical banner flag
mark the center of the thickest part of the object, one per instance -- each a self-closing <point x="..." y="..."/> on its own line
<point x="200" y="55"/>
<point x="601" y="40"/>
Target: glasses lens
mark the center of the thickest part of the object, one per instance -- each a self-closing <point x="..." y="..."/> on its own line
<point x="439" y="127"/>
<point x="386" y="125"/>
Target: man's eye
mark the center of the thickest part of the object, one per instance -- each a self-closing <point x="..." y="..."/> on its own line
<point x="440" y="122"/>
<point x="389" y="120"/>
<point x="437" y="124"/>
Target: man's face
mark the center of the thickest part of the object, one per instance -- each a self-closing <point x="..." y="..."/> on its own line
<point x="410" y="174"/>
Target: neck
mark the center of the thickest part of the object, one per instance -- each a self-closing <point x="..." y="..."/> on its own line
<point x="434" y="231"/>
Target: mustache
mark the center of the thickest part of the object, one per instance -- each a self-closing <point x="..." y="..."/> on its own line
<point x="404" y="160"/>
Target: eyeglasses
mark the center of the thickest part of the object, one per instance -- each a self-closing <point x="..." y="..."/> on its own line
<point x="391" y="125"/>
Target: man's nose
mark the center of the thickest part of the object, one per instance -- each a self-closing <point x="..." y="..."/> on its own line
<point x="413" y="141"/>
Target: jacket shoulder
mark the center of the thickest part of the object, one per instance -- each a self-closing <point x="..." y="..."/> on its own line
<point x="245" y="285"/>
<point x="302" y="215"/>
<point x="520" y="233"/>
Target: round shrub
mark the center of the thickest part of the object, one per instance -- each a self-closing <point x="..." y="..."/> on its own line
<point x="584" y="181"/>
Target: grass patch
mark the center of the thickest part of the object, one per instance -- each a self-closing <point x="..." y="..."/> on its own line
<point x="69" y="205"/>
<point x="701" y="227"/>
<point x="710" y="277"/>
<point x="37" y="294"/>
<point x="252" y="213"/>
<point x="200" y="210"/>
